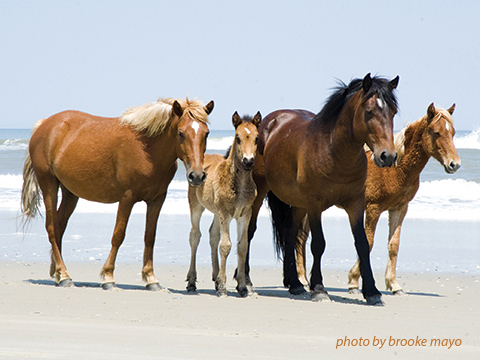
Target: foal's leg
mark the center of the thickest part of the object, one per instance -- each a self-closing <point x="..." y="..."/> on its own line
<point x="224" y="247"/>
<point x="49" y="187"/>
<point x="318" y="247"/>
<point x="214" y="241"/>
<point x="196" y="211"/>
<point x="302" y="238"/>
<point x="262" y="190"/>
<point x="372" y="214"/>
<point x="395" y="219"/>
<point x="67" y="206"/>
<point x="123" y="213"/>
<point x="153" y="211"/>
<point x="242" y="247"/>
<point x="355" y="212"/>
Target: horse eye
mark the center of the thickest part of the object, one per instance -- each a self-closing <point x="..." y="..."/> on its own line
<point x="256" y="140"/>
<point x="181" y="135"/>
<point x="237" y="139"/>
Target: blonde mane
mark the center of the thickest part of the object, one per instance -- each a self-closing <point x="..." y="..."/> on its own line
<point x="153" y="118"/>
<point x="399" y="138"/>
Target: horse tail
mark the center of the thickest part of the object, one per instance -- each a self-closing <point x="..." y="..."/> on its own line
<point x="282" y="220"/>
<point x="30" y="205"/>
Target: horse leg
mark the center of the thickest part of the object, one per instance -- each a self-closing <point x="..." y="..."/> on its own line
<point x="196" y="211"/>
<point x="372" y="215"/>
<point x="67" y="206"/>
<point x="318" y="248"/>
<point x="123" y="213"/>
<point x="242" y="248"/>
<point x="262" y="190"/>
<point x="302" y="237"/>
<point x="355" y="212"/>
<point x="49" y="187"/>
<point x="214" y="232"/>
<point x="395" y="220"/>
<point x="153" y="211"/>
<point x="224" y="248"/>
<point x="290" y="275"/>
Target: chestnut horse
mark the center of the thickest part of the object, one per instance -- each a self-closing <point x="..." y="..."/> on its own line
<point x="125" y="160"/>
<point x="228" y="193"/>
<point x="393" y="188"/>
<point x="310" y="162"/>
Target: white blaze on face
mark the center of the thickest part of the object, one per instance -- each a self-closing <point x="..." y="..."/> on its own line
<point x="247" y="131"/>
<point x="380" y="103"/>
<point x="447" y="126"/>
<point x="195" y="126"/>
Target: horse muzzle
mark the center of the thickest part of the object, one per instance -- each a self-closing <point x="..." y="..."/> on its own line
<point x="248" y="163"/>
<point x="196" y="179"/>
<point x="452" y="167"/>
<point x="386" y="159"/>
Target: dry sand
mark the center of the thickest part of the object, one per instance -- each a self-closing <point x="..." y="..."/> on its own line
<point x="41" y="321"/>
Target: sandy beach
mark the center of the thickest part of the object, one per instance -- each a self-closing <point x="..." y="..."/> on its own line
<point x="39" y="320"/>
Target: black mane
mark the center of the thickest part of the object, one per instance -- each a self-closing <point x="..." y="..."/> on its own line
<point x="327" y="117"/>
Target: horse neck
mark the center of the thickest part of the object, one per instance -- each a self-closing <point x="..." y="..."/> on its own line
<point x="415" y="156"/>
<point x="238" y="175"/>
<point x="157" y="145"/>
<point x="343" y="139"/>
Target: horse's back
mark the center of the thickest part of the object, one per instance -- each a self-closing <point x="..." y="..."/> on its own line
<point x="282" y="122"/>
<point x="96" y="158"/>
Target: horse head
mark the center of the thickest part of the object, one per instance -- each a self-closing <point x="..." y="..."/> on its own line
<point x="246" y="139"/>
<point x="192" y="132"/>
<point x="374" y="118"/>
<point x="441" y="133"/>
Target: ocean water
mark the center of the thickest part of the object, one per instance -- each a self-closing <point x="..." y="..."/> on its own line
<point x="448" y="202"/>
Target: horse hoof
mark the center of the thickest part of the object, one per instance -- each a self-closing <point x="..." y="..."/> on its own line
<point x="375" y="300"/>
<point x="154" y="287"/>
<point x="299" y="290"/>
<point x="243" y="292"/>
<point x="66" y="283"/>
<point x="108" y="286"/>
<point x="222" y="293"/>
<point x="399" y="293"/>
<point x="320" y="297"/>
<point x="191" y="289"/>
<point x="319" y="293"/>
<point x="355" y="291"/>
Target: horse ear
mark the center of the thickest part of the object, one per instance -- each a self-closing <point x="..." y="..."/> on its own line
<point x="430" y="112"/>
<point x="209" y="107"/>
<point x="394" y="82"/>
<point x="451" y="109"/>
<point x="177" y="109"/>
<point x="367" y="83"/>
<point x="236" y="120"/>
<point x="257" y="119"/>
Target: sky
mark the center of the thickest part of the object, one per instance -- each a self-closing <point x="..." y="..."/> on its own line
<point x="103" y="57"/>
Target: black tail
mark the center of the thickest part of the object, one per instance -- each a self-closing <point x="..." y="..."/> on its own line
<point x="282" y="221"/>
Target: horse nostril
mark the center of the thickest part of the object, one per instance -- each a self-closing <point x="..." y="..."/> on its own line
<point x="204" y="176"/>
<point x="191" y="176"/>
<point x="383" y="156"/>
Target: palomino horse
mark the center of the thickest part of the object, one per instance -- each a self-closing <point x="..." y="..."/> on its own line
<point x="310" y="163"/>
<point x="124" y="160"/>
<point x="393" y="188"/>
<point x="228" y="193"/>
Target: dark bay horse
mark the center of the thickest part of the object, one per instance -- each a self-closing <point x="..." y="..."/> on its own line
<point x="310" y="162"/>
<point x="125" y="160"/>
